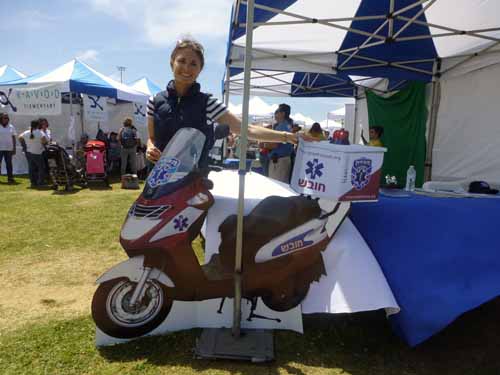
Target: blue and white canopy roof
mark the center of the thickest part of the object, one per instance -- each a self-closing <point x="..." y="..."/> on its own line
<point x="76" y="76"/>
<point x="146" y="86"/>
<point x="394" y="39"/>
<point x="8" y="73"/>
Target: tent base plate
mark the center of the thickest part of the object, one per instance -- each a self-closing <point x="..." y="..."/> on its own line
<point x="254" y="345"/>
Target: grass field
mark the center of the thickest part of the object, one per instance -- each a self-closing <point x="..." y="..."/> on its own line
<point x="54" y="245"/>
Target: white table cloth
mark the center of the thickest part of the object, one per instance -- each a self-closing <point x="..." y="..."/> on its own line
<point x="354" y="280"/>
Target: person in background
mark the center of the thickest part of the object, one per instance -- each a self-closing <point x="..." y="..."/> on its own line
<point x="80" y="151"/>
<point x="44" y="127"/>
<point x="264" y="150"/>
<point x="33" y="141"/>
<point x="296" y="128"/>
<point x="280" y="157"/>
<point x="141" y="160"/>
<point x="114" y="151"/>
<point x="7" y="144"/>
<point x="127" y="136"/>
<point x="316" y="132"/>
<point x="376" y="133"/>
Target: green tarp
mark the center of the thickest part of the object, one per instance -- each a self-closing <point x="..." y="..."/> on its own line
<point x="403" y="117"/>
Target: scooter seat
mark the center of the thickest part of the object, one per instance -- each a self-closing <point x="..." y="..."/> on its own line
<point x="269" y="219"/>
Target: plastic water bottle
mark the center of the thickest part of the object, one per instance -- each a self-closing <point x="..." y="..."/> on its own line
<point x="411" y="176"/>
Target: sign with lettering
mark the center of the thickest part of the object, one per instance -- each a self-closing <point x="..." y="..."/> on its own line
<point x="95" y="108"/>
<point x="139" y="114"/>
<point x="37" y="101"/>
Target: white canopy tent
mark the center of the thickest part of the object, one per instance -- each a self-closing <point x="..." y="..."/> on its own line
<point x="446" y="42"/>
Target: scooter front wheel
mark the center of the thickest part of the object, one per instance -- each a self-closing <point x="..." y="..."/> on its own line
<point x="115" y="316"/>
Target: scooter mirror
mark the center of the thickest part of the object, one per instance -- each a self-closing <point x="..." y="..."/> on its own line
<point x="221" y="131"/>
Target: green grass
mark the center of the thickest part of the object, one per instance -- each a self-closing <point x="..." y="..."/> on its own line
<point x="53" y="246"/>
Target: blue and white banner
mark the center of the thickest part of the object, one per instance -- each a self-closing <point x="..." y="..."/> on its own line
<point x="139" y="111"/>
<point x="42" y="100"/>
<point x="95" y="108"/>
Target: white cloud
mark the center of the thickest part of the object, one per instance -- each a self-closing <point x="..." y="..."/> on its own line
<point x="163" y="21"/>
<point x="89" y="55"/>
<point x="257" y="107"/>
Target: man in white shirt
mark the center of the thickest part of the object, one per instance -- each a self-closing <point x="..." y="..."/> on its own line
<point x="7" y="144"/>
<point x="33" y="142"/>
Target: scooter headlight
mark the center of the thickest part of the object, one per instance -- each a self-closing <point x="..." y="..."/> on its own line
<point x="198" y="200"/>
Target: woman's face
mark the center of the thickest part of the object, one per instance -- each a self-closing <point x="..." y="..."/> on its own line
<point x="186" y="66"/>
<point x="4" y="120"/>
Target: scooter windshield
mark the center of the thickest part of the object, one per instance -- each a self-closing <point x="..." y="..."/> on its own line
<point x="180" y="156"/>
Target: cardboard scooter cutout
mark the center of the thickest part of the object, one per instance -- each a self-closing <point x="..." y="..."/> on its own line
<point x="282" y="243"/>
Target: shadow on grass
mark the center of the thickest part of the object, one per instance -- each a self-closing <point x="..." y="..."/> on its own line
<point x="14" y="183"/>
<point x="358" y="344"/>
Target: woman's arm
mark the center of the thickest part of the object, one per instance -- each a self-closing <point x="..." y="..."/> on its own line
<point x="258" y="133"/>
<point x="152" y="153"/>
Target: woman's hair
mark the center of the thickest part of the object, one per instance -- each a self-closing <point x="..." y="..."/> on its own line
<point x="192" y="44"/>
<point x="2" y="116"/>
<point x="127" y="121"/>
<point x="35" y="124"/>
<point x="378" y="129"/>
<point x="316" y="128"/>
<point x="43" y="119"/>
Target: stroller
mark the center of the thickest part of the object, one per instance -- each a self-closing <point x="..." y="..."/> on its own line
<point x="62" y="171"/>
<point x="95" y="161"/>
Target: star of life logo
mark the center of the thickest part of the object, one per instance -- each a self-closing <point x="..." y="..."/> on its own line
<point x="361" y="173"/>
<point x="163" y="171"/>
<point x="313" y="171"/>
<point x="314" y="168"/>
<point x="180" y="223"/>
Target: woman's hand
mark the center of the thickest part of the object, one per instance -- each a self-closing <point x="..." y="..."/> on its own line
<point x="152" y="153"/>
<point x="306" y="137"/>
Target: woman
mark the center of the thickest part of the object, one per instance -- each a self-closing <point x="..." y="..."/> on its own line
<point x="316" y="132"/>
<point x="33" y="142"/>
<point x="182" y="104"/>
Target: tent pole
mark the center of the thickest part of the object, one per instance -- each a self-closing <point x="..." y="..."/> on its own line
<point x="81" y="114"/>
<point x="431" y="134"/>
<point x="226" y="102"/>
<point x="242" y="171"/>
<point x="354" y="130"/>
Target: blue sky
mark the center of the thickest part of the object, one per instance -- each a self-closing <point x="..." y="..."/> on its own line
<point x="137" y="34"/>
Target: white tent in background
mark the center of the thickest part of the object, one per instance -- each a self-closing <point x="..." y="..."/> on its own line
<point x="8" y="73"/>
<point x="146" y="86"/>
<point x="336" y="115"/>
<point x="259" y="109"/>
<point x="300" y="119"/>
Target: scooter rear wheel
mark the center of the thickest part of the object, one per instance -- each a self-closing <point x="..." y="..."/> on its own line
<point x="114" y="315"/>
<point x="282" y="302"/>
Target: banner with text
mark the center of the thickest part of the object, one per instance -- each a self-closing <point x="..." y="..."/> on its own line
<point x="37" y="101"/>
<point x="95" y="108"/>
<point x="139" y="114"/>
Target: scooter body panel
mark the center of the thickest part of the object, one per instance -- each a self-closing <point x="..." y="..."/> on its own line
<point x="297" y="239"/>
<point x="132" y="269"/>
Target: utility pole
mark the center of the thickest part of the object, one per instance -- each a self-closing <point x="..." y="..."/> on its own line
<point x="121" y="69"/>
